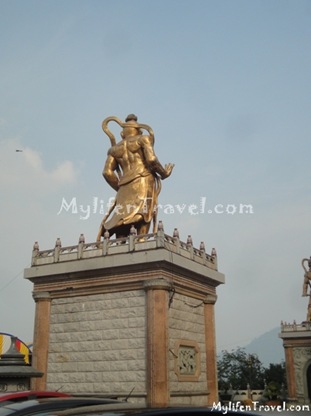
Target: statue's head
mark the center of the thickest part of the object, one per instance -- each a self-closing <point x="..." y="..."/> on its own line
<point x="131" y="117"/>
<point x="130" y="128"/>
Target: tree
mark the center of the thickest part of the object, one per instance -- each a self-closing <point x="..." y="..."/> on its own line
<point x="239" y="369"/>
<point x="276" y="373"/>
<point x="275" y="378"/>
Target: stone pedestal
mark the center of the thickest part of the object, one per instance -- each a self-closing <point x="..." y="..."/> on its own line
<point x="297" y="346"/>
<point x="127" y="315"/>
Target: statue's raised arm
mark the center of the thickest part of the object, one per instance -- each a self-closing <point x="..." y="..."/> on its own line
<point x="133" y="170"/>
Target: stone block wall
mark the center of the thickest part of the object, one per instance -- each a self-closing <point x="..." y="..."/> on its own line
<point x="297" y="347"/>
<point x="302" y="362"/>
<point x="187" y="358"/>
<point x="97" y="343"/>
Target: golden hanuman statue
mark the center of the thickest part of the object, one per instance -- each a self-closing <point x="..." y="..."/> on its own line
<point x="306" y="277"/>
<point x="307" y="284"/>
<point x="134" y="171"/>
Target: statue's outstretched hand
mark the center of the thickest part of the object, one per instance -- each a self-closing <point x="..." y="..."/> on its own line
<point x="168" y="169"/>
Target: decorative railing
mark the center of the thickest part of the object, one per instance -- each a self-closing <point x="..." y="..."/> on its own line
<point x="132" y="243"/>
<point x="287" y="327"/>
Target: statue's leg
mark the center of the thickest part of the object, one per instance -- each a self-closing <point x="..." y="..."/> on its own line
<point x="305" y="286"/>
<point x="142" y="227"/>
<point x="100" y="233"/>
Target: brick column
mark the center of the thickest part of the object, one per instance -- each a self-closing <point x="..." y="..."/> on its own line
<point x="41" y="338"/>
<point x="210" y="348"/>
<point x="290" y="373"/>
<point x="157" y="342"/>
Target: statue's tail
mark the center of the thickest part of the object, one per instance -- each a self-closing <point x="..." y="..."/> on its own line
<point x="102" y="224"/>
<point x="157" y="186"/>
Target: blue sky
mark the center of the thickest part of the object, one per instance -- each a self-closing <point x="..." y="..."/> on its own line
<point x="224" y="84"/>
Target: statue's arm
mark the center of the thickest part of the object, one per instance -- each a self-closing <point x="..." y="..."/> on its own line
<point x="152" y="160"/>
<point x="109" y="172"/>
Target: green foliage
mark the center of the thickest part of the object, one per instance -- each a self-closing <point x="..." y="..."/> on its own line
<point x="276" y="373"/>
<point x="272" y="391"/>
<point x="237" y="369"/>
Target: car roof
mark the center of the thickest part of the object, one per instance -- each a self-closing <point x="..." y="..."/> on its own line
<point x="30" y="394"/>
<point x="45" y="405"/>
<point x="123" y="409"/>
<point x="117" y="408"/>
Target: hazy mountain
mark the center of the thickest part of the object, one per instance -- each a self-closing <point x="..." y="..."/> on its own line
<point x="268" y="347"/>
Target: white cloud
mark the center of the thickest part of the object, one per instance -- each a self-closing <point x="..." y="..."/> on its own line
<point x="33" y="159"/>
<point x="64" y="173"/>
<point x="25" y="169"/>
<point x="28" y="191"/>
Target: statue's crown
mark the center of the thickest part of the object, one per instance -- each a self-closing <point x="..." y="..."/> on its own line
<point x="131" y="117"/>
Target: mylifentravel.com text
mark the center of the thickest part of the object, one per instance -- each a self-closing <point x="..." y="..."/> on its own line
<point x="199" y="207"/>
<point x="257" y="406"/>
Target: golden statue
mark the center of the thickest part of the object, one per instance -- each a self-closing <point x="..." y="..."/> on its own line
<point x="307" y="277"/>
<point x="133" y="170"/>
<point x="307" y="284"/>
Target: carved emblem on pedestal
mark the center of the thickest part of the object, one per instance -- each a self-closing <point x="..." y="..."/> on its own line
<point x="187" y="360"/>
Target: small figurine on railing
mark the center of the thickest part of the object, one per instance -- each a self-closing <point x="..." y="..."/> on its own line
<point x="189" y="241"/>
<point x="58" y="243"/>
<point x="133" y="170"/>
<point x="202" y="247"/>
<point x="81" y="239"/>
